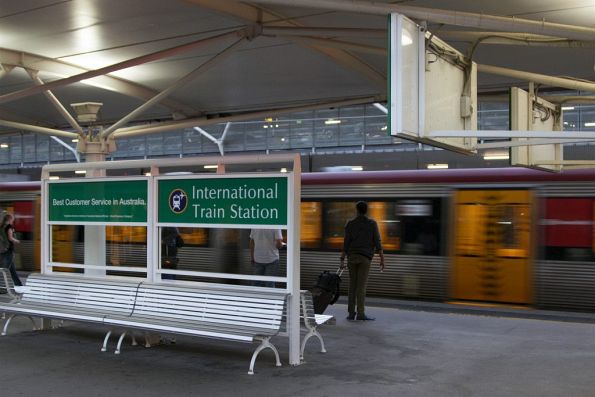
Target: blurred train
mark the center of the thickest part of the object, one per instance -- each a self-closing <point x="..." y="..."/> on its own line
<point x="509" y="235"/>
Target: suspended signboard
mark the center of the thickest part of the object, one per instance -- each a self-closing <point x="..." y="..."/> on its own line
<point x="105" y="201"/>
<point x="531" y="113"/>
<point x="222" y="201"/>
<point x="430" y="87"/>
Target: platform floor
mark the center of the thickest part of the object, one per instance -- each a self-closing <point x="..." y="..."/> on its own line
<point x="403" y="353"/>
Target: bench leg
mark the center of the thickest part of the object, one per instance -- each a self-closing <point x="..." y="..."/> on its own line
<point x="265" y="343"/>
<point x="10" y="317"/>
<point x="105" y="340"/>
<point x="34" y="324"/>
<point x="6" y="324"/>
<point x="120" y="343"/>
<point x="312" y="332"/>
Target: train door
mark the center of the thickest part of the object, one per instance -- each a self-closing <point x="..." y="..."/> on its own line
<point x="492" y="246"/>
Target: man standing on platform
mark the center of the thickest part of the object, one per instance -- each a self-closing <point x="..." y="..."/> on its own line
<point x="264" y="253"/>
<point x="361" y="241"/>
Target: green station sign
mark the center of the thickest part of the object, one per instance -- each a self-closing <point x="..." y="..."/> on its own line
<point x="98" y="201"/>
<point x="223" y="201"/>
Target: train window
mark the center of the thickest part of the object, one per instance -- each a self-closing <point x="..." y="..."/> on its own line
<point x="125" y="246"/>
<point x="470" y="229"/>
<point x="27" y="253"/>
<point x="513" y="227"/>
<point x="505" y="227"/>
<point x="567" y="229"/>
<point x="311" y="224"/>
<point x="226" y="251"/>
<point x="406" y="226"/>
<point x="335" y="216"/>
<point x="420" y="224"/>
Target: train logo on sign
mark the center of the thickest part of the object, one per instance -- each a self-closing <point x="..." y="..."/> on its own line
<point x="178" y="201"/>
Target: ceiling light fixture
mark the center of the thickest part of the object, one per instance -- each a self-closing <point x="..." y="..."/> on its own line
<point x="496" y="155"/>
<point x="437" y="166"/>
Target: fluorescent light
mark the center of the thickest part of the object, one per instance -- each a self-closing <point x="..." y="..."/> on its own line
<point x="437" y="166"/>
<point x="54" y="178"/>
<point x="567" y="107"/>
<point x="283" y="169"/>
<point x="80" y="172"/>
<point x="332" y="121"/>
<point x="357" y="168"/>
<point x="207" y="167"/>
<point x="75" y="140"/>
<point x="496" y="155"/>
<point x="589" y="124"/>
<point x="4" y="145"/>
<point x="147" y="174"/>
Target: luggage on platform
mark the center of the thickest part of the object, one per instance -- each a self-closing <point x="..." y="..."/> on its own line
<point x="326" y="290"/>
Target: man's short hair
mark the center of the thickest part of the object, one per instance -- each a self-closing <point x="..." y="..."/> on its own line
<point x="362" y="207"/>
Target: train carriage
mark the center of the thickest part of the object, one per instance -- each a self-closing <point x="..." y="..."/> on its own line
<point x="507" y="236"/>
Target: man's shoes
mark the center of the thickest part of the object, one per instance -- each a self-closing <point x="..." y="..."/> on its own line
<point x="351" y="317"/>
<point x="364" y="318"/>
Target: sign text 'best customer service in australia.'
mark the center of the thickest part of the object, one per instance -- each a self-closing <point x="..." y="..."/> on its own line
<point x="98" y="201"/>
<point x="223" y="201"/>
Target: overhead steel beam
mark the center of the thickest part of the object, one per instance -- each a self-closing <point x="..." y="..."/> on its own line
<point x="324" y="32"/>
<point x="181" y="82"/>
<point x="552" y="81"/>
<point x="518" y="39"/>
<point x="57" y="104"/>
<point x="448" y="17"/>
<point x="532" y="142"/>
<point x="201" y="121"/>
<point x="344" y="45"/>
<point x="38" y="129"/>
<point x="120" y="65"/>
<point x="513" y="134"/>
<point x="568" y="99"/>
<point x="252" y="14"/>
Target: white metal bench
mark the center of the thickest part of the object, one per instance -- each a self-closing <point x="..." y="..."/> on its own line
<point x="7" y="291"/>
<point x="72" y="298"/>
<point x="311" y="321"/>
<point x="208" y="311"/>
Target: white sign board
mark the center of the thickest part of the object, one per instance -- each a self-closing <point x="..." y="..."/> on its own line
<point x="429" y="88"/>
<point x="530" y="113"/>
